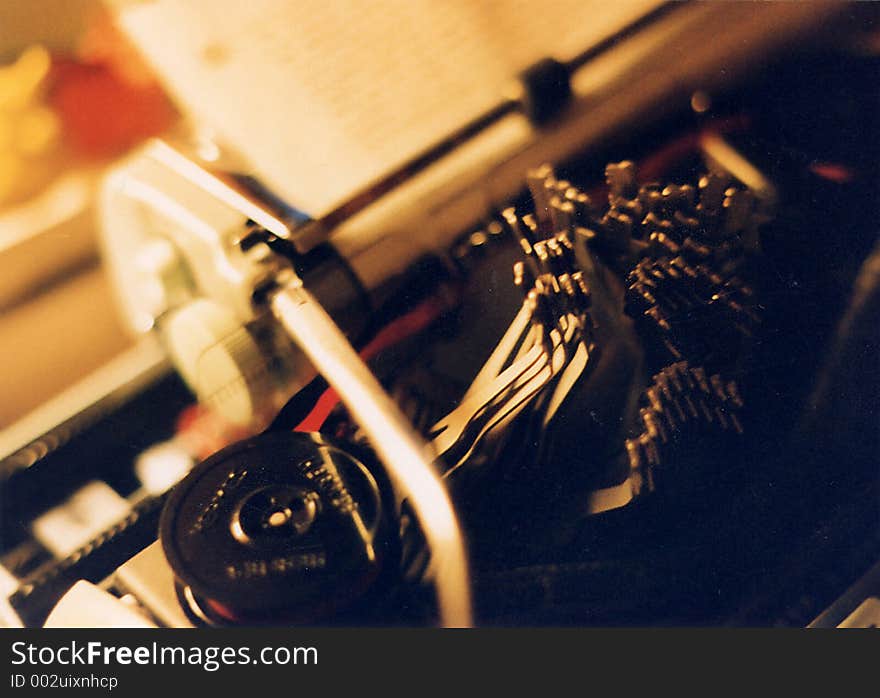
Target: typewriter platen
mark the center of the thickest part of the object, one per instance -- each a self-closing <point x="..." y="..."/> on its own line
<point x="633" y="384"/>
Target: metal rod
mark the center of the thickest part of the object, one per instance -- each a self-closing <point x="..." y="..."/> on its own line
<point x="622" y="34"/>
<point x="407" y="457"/>
<point x="321" y="227"/>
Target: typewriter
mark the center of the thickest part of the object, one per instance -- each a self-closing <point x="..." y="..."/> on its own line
<point x="598" y="347"/>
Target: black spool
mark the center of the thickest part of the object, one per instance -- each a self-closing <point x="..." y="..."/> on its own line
<point x="282" y="527"/>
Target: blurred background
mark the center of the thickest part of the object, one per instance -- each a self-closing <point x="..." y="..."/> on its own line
<point x="74" y="98"/>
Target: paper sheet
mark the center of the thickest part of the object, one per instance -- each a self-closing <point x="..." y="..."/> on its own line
<point x="324" y="96"/>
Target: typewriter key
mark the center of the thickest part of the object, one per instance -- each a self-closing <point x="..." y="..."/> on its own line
<point x="284" y="526"/>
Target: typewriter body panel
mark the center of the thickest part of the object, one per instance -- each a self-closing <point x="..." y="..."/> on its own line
<point x="605" y="354"/>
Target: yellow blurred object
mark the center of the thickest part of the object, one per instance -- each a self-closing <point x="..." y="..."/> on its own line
<point x="7" y="129"/>
<point x="20" y="81"/>
<point x="38" y="130"/>
<point x="10" y="177"/>
<point x="29" y="130"/>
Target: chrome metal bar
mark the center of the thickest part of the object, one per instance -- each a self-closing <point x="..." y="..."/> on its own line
<point x="320" y="228"/>
<point x="406" y="456"/>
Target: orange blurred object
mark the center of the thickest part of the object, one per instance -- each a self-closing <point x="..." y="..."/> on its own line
<point x="104" y="44"/>
<point x="832" y="171"/>
<point x="102" y="115"/>
<point x="106" y="96"/>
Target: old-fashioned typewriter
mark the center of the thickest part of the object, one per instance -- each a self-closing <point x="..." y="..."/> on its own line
<point x="599" y="349"/>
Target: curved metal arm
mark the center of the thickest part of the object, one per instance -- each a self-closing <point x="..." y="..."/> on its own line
<point x="407" y="458"/>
